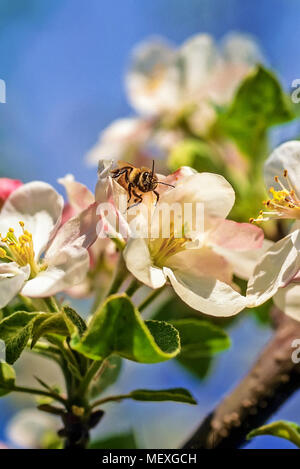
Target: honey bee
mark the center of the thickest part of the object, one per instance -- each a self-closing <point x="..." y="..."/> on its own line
<point x="137" y="181"/>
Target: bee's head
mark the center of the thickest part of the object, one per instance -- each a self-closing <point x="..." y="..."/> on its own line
<point x="148" y="181"/>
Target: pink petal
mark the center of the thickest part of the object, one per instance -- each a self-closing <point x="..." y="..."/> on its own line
<point x="68" y="212"/>
<point x="79" y="196"/>
<point x="79" y="231"/>
<point x="237" y="236"/>
<point x="7" y="186"/>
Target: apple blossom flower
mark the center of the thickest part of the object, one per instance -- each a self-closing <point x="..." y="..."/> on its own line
<point x="164" y="83"/>
<point x="199" y="266"/>
<point x="277" y="273"/>
<point x="120" y="139"/>
<point x="39" y="259"/>
<point x="163" y="79"/>
<point x="7" y="186"/>
<point x="282" y="176"/>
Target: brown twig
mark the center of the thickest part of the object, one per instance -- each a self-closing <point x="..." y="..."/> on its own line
<point x="271" y="381"/>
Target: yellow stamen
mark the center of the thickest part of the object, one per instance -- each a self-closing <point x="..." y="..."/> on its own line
<point x="20" y="250"/>
<point x="163" y="248"/>
<point x="284" y="203"/>
<point x="2" y="253"/>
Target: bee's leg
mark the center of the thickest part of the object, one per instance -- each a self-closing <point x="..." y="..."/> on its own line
<point x="138" y="197"/>
<point x="127" y="172"/>
<point x="129" y="191"/>
<point x="118" y="172"/>
<point x="157" y="197"/>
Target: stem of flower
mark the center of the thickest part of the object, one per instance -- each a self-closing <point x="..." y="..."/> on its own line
<point x="120" y="276"/>
<point x="133" y="287"/>
<point x="51" y="304"/>
<point x="146" y="302"/>
<point x="27" y="302"/>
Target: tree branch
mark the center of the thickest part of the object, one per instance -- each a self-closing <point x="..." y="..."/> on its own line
<point x="270" y="382"/>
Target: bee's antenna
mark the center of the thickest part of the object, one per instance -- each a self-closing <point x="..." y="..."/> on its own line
<point x="165" y="184"/>
<point x="152" y="168"/>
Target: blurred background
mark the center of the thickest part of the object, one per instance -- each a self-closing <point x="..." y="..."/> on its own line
<point x="63" y="62"/>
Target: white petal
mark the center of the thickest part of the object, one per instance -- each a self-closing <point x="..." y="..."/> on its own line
<point x="27" y="428"/>
<point x="39" y="206"/>
<point x="278" y="265"/>
<point x="286" y="156"/>
<point x="203" y="262"/>
<point x="12" y="278"/>
<point x="151" y="83"/>
<point x="288" y="300"/>
<point x="206" y="294"/>
<point x="216" y="194"/>
<point x="117" y="138"/>
<point x="241" y="48"/>
<point x="139" y="263"/>
<point x="243" y="263"/>
<point x="79" y="196"/>
<point x="69" y="267"/>
<point x="198" y="58"/>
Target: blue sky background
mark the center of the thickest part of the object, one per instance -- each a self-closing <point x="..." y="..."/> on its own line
<point x="63" y="62"/>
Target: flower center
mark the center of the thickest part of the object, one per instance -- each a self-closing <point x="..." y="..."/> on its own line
<point x="283" y="204"/>
<point x="161" y="249"/>
<point x="19" y="250"/>
<point x="155" y="78"/>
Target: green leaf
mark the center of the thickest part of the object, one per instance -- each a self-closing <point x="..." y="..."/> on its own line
<point x="174" y="394"/>
<point x="173" y="309"/>
<point x="74" y="322"/>
<point x="121" y="441"/>
<point x="282" y="429"/>
<point x="258" y="104"/>
<point x="118" y="328"/>
<point x="15" y="330"/>
<point x="200" y="338"/>
<point x="48" y="323"/>
<point x="112" y="369"/>
<point x="199" y="367"/>
<point x="7" y="378"/>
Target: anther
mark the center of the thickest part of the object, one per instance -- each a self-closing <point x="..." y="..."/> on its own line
<point x="2" y="253"/>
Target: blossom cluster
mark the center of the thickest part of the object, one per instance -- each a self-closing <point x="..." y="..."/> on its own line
<point x="43" y="254"/>
<point x="191" y="229"/>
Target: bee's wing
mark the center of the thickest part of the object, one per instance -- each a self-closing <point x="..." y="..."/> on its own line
<point x="122" y="164"/>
